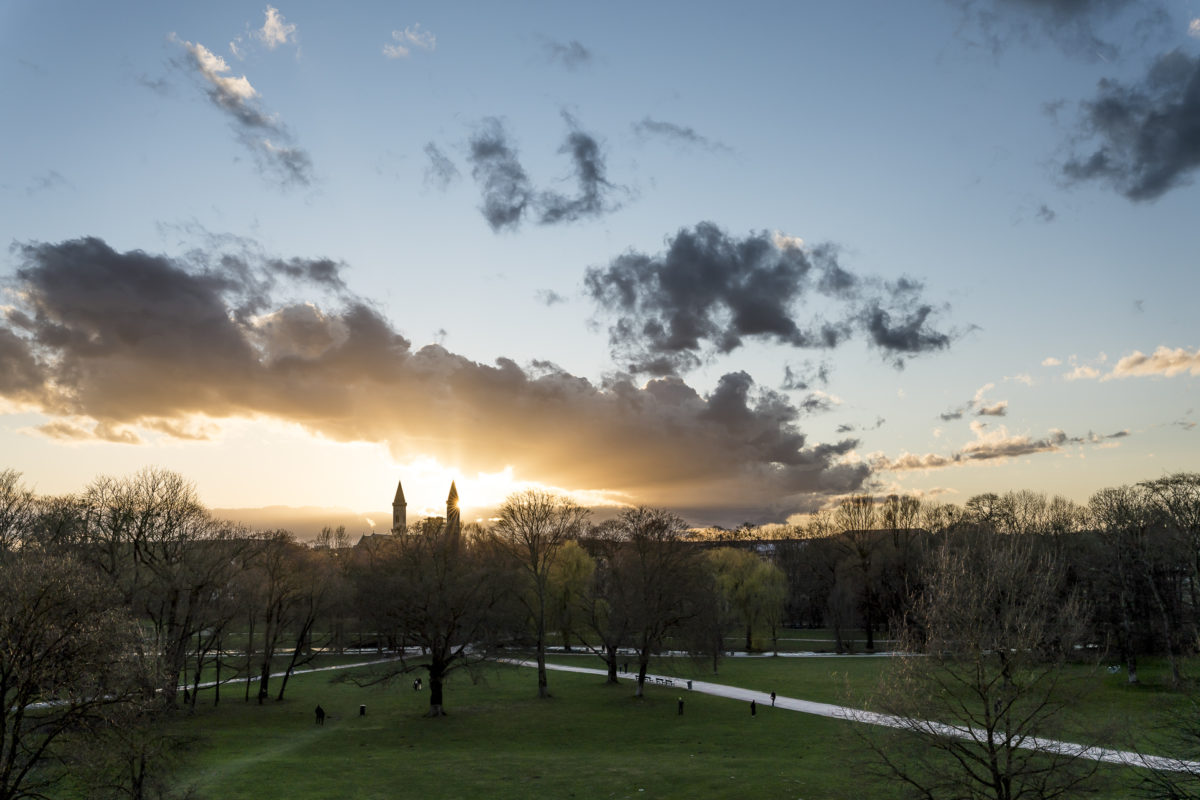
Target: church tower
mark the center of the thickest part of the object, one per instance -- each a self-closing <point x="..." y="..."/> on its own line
<point x="399" y="510"/>
<point x="453" y="519"/>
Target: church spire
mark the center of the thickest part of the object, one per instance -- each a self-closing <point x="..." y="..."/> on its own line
<point x="453" y="519"/>
<point x="399" y="510"/>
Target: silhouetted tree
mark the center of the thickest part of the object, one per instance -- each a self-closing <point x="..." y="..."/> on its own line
<point x="533" y="526"/>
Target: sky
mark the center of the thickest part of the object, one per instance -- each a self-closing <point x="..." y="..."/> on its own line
<point x="738" y="261"/>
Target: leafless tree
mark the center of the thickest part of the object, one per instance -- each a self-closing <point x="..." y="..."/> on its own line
<point x="533" y="525"/>
<point x="68" y="664"/>
<point x="981" y="675"/>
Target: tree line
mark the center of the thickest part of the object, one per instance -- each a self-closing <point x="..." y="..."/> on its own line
<point x="129" y="602"/>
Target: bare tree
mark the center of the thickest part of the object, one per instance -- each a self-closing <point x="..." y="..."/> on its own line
<point x="663" y="578"/>
<point x="16" y="509"/>
<point x="68" y="663"/>
<point x="981" y="676"/>
<point x="534" y="525"/>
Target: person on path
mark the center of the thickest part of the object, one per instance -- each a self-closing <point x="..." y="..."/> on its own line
<point x="772" y="699"/>
<point x="753" y="708"/>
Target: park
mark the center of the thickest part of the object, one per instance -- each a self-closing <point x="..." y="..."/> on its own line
<point x="897" y="647"/>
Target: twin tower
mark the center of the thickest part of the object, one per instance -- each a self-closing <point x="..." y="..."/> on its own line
<point x="400" y="511"/>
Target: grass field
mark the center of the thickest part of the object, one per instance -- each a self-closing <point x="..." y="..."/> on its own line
<point x="589" y="740"/>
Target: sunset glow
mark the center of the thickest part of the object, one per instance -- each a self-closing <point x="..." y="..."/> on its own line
<point x="298" y="254"/>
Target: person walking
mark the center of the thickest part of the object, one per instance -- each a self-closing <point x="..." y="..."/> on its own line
<point x="681" y="706"/>
<point x="753" y="708"/>
<point x="772" y="699"/>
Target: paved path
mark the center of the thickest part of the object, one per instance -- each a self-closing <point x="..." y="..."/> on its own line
<point x="1122" y="757"/>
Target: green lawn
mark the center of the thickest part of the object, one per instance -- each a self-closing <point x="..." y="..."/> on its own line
<point x="589" y="740"/>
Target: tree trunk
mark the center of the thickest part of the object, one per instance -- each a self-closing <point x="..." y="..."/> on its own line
<point x="749" y="638"/>
<point x="610" y="660"/>
<point x="437" y="673"/>
<point x="543" y="683"/>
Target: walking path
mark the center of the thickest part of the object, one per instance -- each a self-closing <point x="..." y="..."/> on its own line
<point x="1122" y="757"/>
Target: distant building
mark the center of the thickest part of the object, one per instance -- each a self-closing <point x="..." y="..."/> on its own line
<point x="400" y="511"/>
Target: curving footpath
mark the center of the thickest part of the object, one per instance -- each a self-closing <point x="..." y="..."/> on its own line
<point x="1122" y="757"/>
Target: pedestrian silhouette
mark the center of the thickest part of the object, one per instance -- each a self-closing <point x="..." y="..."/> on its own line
<point x="320" y="716"/>
<point x="753" y="708"/>
<point x="681" y="706"/>
<point x="772" y="699"/>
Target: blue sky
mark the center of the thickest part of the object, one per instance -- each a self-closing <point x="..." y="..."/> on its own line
<point x="928" y="142"/>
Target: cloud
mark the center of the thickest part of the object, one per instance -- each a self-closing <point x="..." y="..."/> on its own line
<point x="1045" y="213"/>
<point x="508" y="194"/>
<point x="549" y="297"/>
<point x="803" y="376"/>
<point x="1163" y="362"/>
<point x="1082" y="372"/>
<point x="679" y="134"/>
<point x="588" y="162"/>
<point x="441" y="171"/>
<point x="46" y="182"/>
<point x="1077" y="27"/>
<point x="262" y="134"/>
<point x="275" y="31"/>
<point x="1194" y="28"/>
<point x="976" y="403"/>
<point x="992" y="445"/>
<point x="498" y="171"/>
<point x="131" y="340"/>
<point x="571" y="55"/>
<point x="1146" y="140"/>
<point x="1051" y="361"/>
<point x="709" y="292"/>
<point x="407" y="39"/>
<point x="999" y="409"/>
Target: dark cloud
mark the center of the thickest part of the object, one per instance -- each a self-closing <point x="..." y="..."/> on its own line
<point x="1045" y="213"/>
<point x="709" y="292"/>
<point x="441" y="171"/>
<point x="992" y="446"/>
<point x="549" y="297"/>
<point x="953" y="414"/>
<point x="111" y="343"/>
<point x="1148" y="135"/>
<point x="267" y="139"/>
<point x="679" y="134"/>
<point x="571" y="55"/>
<point x="498" y="171"/>
<point x="588" y="162"/>
<point x="802" y="377"/>
<point x="508" y="195"/>
<point x="1077" y="27"/>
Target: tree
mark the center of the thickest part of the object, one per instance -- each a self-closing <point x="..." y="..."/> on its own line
<point x="152" y="537"/>
<point x="17" y="508"/>
<point x="534" y="525"/>
<point x="444" y="592"/>
<point x="570" y="575"/>
<point x="663" y="580"/>
<point x="981" y="675"/>
<point x="752" y="589"/>
<point x="858" y="518"/>
<point x="68" y="663"/>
